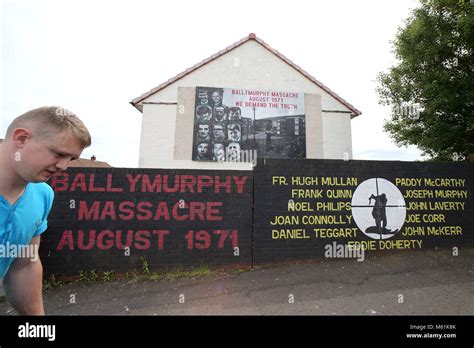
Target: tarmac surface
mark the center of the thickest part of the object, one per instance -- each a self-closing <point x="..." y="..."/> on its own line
<point x="405" y="283"/>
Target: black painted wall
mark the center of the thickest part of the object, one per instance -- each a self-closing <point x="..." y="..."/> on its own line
<point x="418" y="213"/>
<point x="114" y="219"/>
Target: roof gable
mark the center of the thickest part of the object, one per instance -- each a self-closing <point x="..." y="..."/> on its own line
<point x="84" y="162"/>
<point x="136" y="101"/>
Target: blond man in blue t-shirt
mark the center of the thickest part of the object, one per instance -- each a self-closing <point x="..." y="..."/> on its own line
<point x="37" y="145"/>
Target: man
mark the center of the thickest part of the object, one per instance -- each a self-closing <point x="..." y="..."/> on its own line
<point x="220" y="114"/>
<point x="233" y="152"/>
<point x="218" y="132"/>
<point x="233" y="132"/>
<point x="203" y="97"/>
<point x="218" y="152"/>
<point x="37" y="145"/>
<point x="216" y="97"/>
<point x="202" y="150"/>
<point x="235" y="114"/>
<point x="203" y="113"/>
<point x="379" y="212"/>
<point x="203" y="132"/>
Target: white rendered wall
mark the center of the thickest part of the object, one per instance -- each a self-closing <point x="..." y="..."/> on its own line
<point x="337" y="138"/>
<point x="250" y="66"/>
<point x="157" y="135"/>
<point x="157" y="142"/>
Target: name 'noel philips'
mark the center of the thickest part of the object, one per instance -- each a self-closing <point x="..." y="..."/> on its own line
<point x="32" y="331"/>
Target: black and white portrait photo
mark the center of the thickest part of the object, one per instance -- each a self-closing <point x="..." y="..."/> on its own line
<point x="270" y="123"/>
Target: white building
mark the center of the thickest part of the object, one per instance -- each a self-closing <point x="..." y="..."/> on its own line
<point x="250" y="64"/>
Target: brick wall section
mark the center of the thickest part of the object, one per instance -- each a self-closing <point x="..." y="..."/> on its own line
<point x="280" y="232"/>
<point x="98" y="213"/>
<point x="111" y="218"/>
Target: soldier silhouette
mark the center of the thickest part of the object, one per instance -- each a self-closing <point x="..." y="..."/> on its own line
<point x="379" y="212"/>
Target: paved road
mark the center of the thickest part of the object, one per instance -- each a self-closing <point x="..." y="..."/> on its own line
<point x="408" y="283"/>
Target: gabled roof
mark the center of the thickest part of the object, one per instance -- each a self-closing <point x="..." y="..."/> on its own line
<point x="251" y="36"/>
<point x="84" y="162"/>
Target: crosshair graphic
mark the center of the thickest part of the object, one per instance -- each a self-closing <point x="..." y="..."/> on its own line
<point x="378" y="208"/>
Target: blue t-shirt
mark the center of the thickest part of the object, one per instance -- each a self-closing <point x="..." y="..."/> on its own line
<point x="22" y="221"/>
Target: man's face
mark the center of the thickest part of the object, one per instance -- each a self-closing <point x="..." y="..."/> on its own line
<point x="202" y="149"/>
<point x="216" y="98"/>
<point x="203" y="131"/>
<point x="36" y="160"/>
<point x="218" y="133"/>
<point x="220" y="113"/>
<point x="203" y="98"/>
<point x="219" y="152"/>
<point x="234" y="114"/>
<point x="233" y="151"/>
<point x="234" y="147"/>
<point x="205" y="115"/>
<point x="234" y="134"/>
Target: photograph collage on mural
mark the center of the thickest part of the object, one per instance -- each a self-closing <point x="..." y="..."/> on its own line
<point x="217" y="127"/>
<point x="237" y="125"/>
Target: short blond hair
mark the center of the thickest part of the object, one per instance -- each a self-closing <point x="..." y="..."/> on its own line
<point x="47" y="119"/>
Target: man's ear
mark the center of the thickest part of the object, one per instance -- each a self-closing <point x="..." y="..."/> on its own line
<point x="20" y="136"/>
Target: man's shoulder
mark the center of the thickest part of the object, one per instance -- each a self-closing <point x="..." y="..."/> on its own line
<point x="40" y="194"/>
<point x="42" y="188"/>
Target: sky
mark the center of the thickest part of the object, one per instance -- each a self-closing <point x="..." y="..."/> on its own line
<point x="94" y="56"/>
